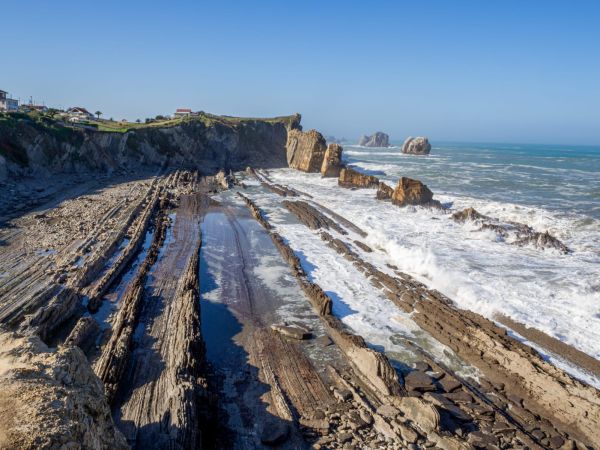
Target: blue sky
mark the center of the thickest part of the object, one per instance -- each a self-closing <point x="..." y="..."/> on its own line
<point x="503" y="71"/>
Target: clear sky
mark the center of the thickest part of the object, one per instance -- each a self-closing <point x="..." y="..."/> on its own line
<point x="508" y="71"/>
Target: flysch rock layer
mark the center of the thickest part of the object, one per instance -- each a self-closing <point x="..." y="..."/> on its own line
<point x="350" y="178"/>
<point x="51" y="398"/>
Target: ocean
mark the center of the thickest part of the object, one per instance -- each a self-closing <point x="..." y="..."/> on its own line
<point x="550" y="188"/>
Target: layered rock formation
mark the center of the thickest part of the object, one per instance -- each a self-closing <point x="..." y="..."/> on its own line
<point x="332" y="161"/>
<point x="378" y="139"/>
<point x="411" y="192"/>
<point x="207" y="142"/>
<point x="350" y="178"/>
<point x="51" y="399"/>
<point x="416" y="146"/>
<point x="305" y="150"/>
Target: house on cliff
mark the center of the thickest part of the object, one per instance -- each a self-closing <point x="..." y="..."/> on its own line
<point x="78" y="114"/>
<point x="8" y="104"/>
<point x="182" y="112"/>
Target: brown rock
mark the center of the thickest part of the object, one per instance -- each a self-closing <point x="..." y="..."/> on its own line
<point x="351" y="178"/>
<point x="305" y="150"/>
<point x="449" y="384"/>
<point x="411" y="192"/>
<point x="424" y="415"/>
<point x="419" y="381"/>
<point x="332" y="162"/>
<point x="384" y="192"/>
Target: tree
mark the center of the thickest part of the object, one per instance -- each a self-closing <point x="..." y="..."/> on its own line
<point x="98" y="113"/>
<point x="138" y="120"/>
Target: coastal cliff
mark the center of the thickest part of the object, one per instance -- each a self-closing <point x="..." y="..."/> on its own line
<point x="40" y="146"/>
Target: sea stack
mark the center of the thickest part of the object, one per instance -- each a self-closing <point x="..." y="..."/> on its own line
<point x="378" y="139"/>
<point x="411" y="192"/>
<point x="332" y="162"/>
<point x="416" y="146"/>
<point x="305" y="150"/>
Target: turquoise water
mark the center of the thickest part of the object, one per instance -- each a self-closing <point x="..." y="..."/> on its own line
<point x="564" y="179"/>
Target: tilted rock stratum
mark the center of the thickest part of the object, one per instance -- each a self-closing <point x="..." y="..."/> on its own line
<point x="377" y="139"/>
<point x="416" y="146"/>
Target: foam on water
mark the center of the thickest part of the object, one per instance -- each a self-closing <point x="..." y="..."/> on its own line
<point x="555" y="293"/>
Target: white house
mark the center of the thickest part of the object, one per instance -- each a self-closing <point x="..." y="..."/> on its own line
<point x="77" y="113"/>
<point x="182" y="112"/>
<point x="8" y="104"/>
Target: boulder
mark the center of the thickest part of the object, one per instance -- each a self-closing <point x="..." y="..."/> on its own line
<point x="54" y="398"/>
<point x="411" y="192"/>
<point x="350" y="178"/>
<point x="305" y="150"/>
<point x="384" y="192"/>
<point x="377" y="139"/>
<point x="332" y="161"/>
<point x="416" y="146"/>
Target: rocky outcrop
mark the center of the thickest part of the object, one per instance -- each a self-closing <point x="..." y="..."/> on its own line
<point x="384" y="192"/>
<point x="350" y="178"/>
<point x="51" y="399"/>
<point x="206" y="142"/>
<point x="332" y="162"/>
<point x="416" y="146"/>
<point x="512" y="232"/>
<point x="411" y="192"/>
<point x="467" y="214"/>
<point x="305" y="150"/>
<point x="378" y="139"/>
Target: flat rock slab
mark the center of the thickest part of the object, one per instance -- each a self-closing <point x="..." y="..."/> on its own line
<point x="292" y="332"/>
<point x="419" y="381"/>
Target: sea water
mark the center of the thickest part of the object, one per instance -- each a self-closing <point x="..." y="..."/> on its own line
<point x="550" y="188"/>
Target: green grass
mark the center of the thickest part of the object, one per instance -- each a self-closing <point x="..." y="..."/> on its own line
<point x="207" y="118"/>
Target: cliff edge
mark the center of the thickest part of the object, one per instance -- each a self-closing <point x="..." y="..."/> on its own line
<point x="37" y="145"/>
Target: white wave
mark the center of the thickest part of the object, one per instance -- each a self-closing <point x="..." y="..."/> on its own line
<point x="557" y="294"/>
